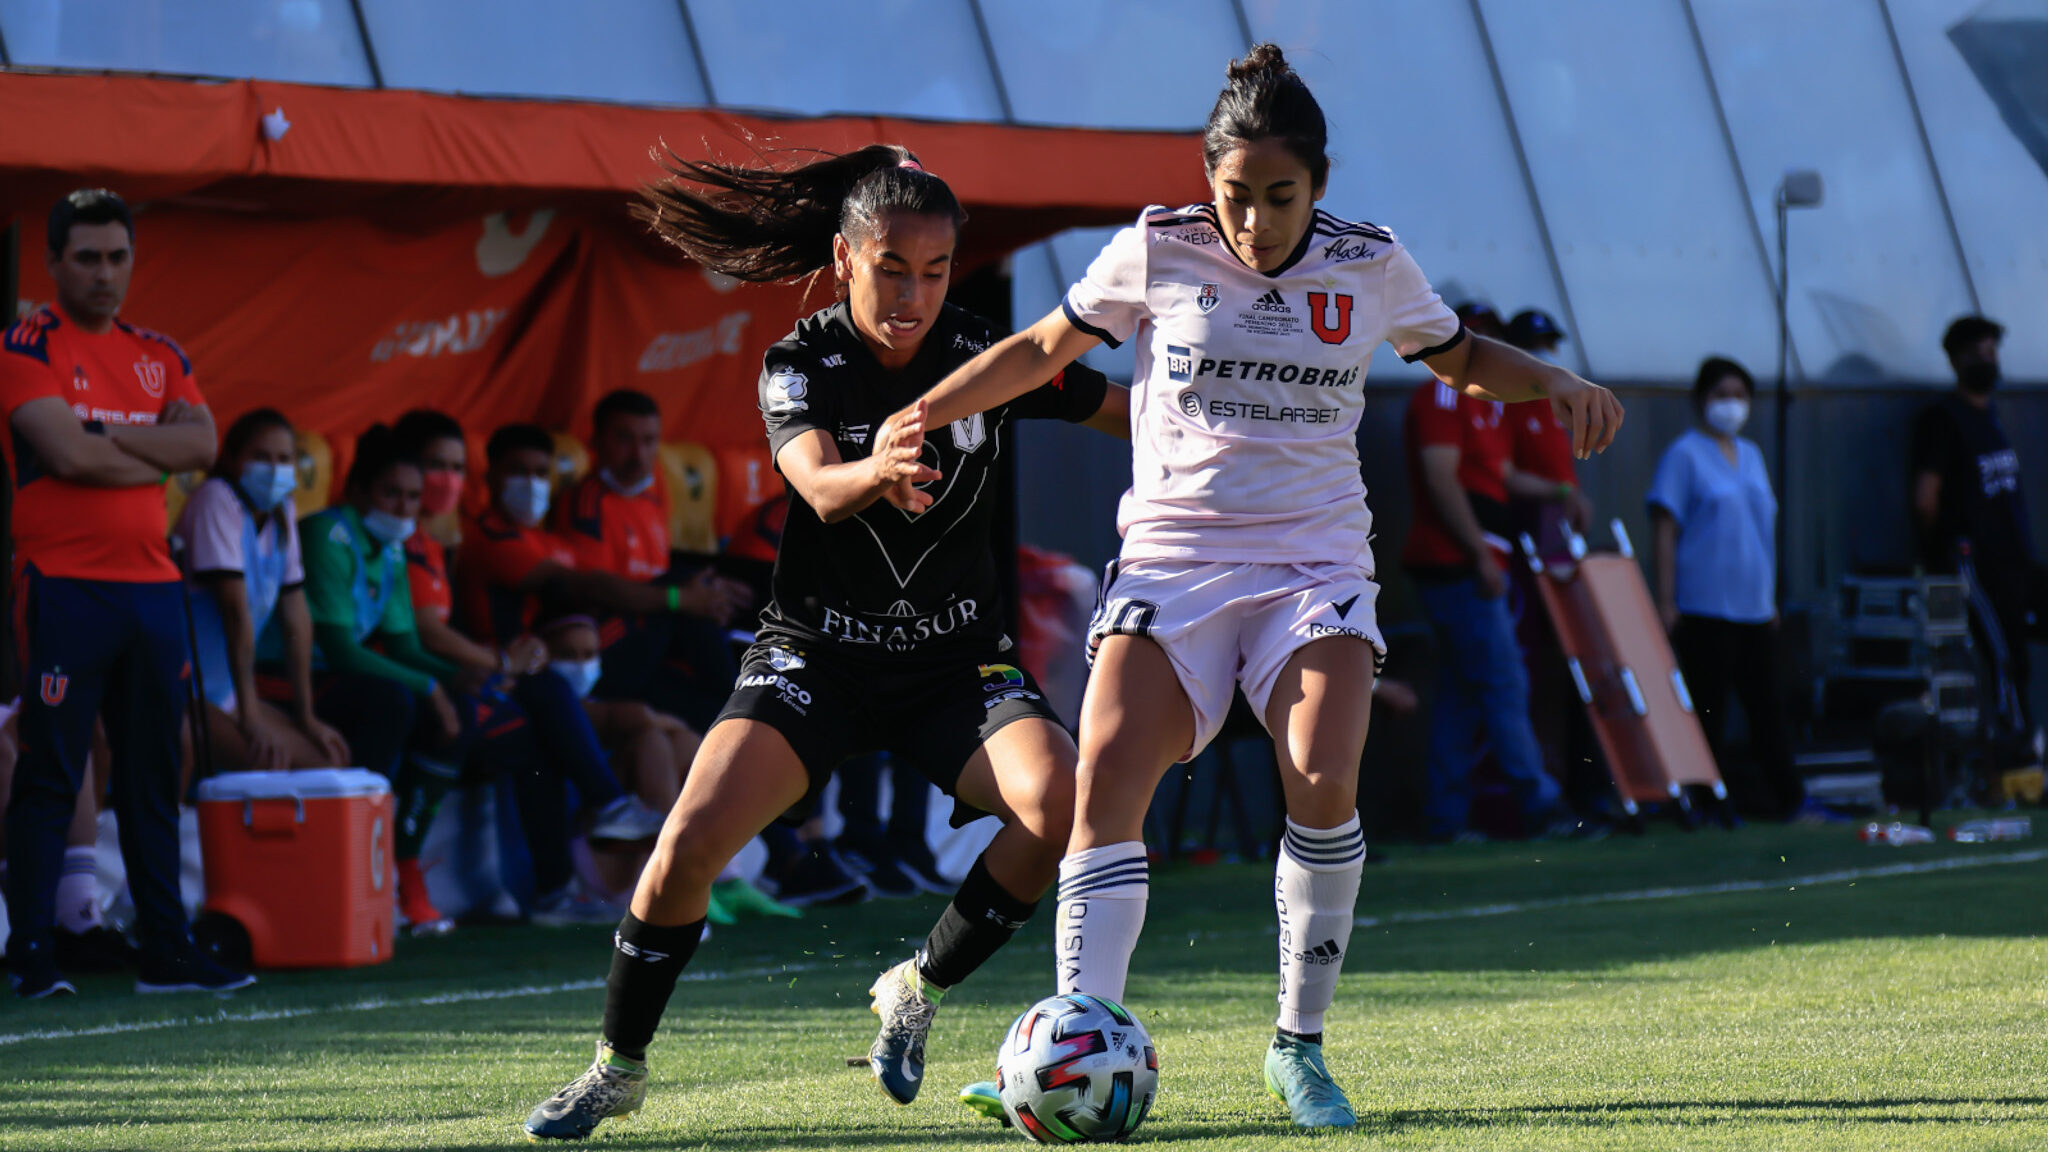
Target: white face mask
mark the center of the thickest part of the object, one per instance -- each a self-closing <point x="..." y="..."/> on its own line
<point x="526" y="499"/>
<point x="633" y="489"/>
<point x="582" y="675"/>
<point x="1727" y="415"/>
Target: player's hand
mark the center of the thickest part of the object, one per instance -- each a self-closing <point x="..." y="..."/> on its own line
<point x="907" y="496"/>
<point x="898" y="461"/>
<point x="444" y="711"/>
<point x="1486" y="571"/>
<point x="525" y="656"/>
<point x="268" y="751"/>
<point x="178" y="412"/>
<point x="330" y="742"/>
<point x="1589" y="412"/>
<point x="713" y="597"/>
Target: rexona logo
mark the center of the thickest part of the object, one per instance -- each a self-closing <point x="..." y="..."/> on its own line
<point x="1184" y="366"/>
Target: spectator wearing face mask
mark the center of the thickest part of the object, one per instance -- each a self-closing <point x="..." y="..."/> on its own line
<point x="1714" y="517"/>
<point x="1971" y="511"/>
<point x="650" y="749"/>
<point x="241" y="549"/>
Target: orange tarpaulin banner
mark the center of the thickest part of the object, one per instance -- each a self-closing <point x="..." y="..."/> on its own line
<point x="393" y="249"/>
<point x="506" y="317"/>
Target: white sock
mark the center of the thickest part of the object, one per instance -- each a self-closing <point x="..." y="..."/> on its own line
<point x="1102" y="909"/>
<point x="78" y="892"/>
<point x="1315" y="886"/>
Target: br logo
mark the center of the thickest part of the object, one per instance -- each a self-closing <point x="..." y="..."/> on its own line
<point x="1006" y="675"/>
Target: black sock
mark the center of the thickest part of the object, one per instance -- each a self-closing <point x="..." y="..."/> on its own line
<point x="647" y="960"/>
<point x="422" y="784"/>
<point x="1300" y="1037"/>
<point x="981" y="919"/>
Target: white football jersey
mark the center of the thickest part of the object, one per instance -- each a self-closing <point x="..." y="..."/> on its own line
<point x="1245" y="410"/>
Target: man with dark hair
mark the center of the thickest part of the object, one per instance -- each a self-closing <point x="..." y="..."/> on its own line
<point x="101" y="412"/>
<point x="616" y="521"/>
<point x="1971" y="512"/>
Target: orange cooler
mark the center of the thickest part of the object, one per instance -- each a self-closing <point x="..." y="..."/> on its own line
<point x="301" y="860"/>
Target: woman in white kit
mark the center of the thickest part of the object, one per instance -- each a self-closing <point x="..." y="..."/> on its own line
<point x="1245" y="558"/>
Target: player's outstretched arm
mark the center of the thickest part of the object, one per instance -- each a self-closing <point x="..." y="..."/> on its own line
<point x="1491" y="370"/>
<point x="836" y="488"/>
<point x="1008" y="369"/>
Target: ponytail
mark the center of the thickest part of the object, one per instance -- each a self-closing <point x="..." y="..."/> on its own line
<point x="763" y="224"/>
<point x="1266" y="100"/>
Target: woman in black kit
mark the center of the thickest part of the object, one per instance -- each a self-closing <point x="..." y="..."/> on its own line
<point x="885" y="629"/>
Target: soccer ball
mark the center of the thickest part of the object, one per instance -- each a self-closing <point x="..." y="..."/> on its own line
<point x="1077" y="1070"/>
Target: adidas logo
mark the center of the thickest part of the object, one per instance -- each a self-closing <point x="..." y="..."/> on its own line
<point x="856" y="433"/>
<point x="834" y="361"/>
<point x="1322" y="954"/>
<point x="1271" y="302"/>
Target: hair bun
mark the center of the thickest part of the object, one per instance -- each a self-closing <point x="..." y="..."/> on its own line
<point x="1264" y="60"/>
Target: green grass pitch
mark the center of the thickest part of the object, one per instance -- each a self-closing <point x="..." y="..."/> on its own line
<point x="1498" y="997"/>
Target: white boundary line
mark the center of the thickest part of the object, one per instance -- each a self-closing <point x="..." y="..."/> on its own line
<point x="373" y="1004"/>
<point x="1846" y="875"/>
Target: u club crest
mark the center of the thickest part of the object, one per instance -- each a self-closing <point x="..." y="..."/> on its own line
<point x="1207" y="299"/>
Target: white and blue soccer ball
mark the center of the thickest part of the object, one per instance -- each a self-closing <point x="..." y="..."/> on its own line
<point x="1077" y="1070"/>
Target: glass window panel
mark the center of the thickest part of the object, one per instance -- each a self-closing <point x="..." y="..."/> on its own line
<point x="1858" y="309"/>
<point x="634" y="51"/>
<point x="1124" y="64"/>
<point x="1960" y="53"/>
<point x="1419" y="144"/>
<point x="895" y="57"/>
<point x="1652" y="231"/>
<point x="310" y="41"/>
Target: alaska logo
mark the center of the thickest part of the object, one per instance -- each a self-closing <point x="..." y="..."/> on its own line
<point x="1327" y="330"/>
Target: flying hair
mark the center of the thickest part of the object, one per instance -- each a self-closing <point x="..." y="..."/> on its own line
<point x="771" y="222"/>
<point x="1265" y="99"/>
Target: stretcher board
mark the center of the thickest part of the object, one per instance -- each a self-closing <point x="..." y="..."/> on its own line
<point x="1624" y="671"/>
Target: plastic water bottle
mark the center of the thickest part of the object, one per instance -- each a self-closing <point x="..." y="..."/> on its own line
<point x="1986" y="831"/>
<point x="1895" y="833"/>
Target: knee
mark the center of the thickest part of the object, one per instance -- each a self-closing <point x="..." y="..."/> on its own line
<point x="1046" y="806"/>
<point x="682" y="861"/>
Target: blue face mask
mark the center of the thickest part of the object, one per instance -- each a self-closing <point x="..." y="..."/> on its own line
<point x="582" y="675"/>
<point x="526" y="499"/>
<point x="268" y="485"/>
<point x="386" y="528"/>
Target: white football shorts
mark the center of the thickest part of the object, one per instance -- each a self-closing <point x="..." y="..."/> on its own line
<point x="1224" y="624"/>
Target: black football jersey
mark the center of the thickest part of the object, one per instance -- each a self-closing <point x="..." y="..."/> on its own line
<point x="885" y="581"/>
